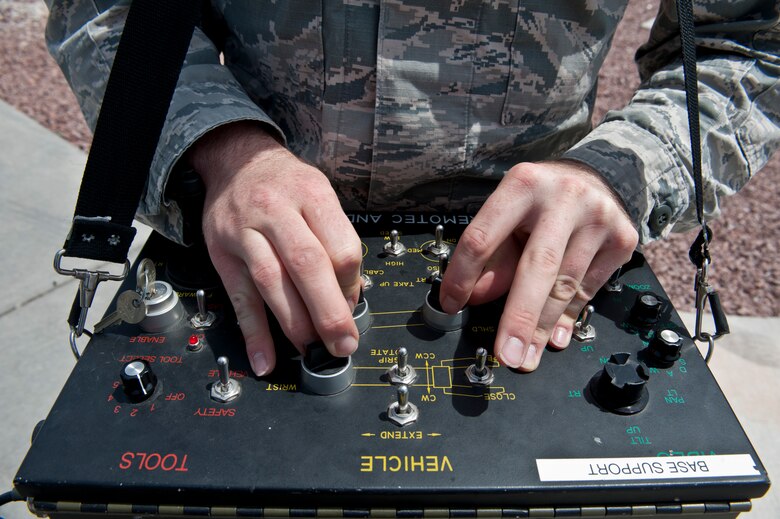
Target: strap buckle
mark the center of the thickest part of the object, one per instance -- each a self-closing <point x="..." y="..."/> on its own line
<point x="88" y="282"/>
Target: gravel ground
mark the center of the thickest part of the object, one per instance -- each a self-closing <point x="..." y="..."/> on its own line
<point x="744" y="269"/>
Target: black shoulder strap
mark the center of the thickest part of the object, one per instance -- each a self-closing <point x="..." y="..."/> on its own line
<point x="143" y="77"/>
<point x="138" y="94"/>
<point x="699" y="252"/>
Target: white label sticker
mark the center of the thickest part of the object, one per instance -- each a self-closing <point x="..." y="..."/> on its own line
<point x="610" y="469"/>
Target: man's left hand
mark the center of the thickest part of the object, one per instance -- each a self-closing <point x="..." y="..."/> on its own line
<point x="551" y="234"/>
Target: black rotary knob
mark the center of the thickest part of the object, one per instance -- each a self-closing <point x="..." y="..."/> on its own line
<point x="646" y="311"/>
<point x="620" y="386"/>
<point x="138" y="380"/>
<point x="664" y="349"/>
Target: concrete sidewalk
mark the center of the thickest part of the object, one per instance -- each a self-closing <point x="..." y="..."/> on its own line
<point x="40" y="174"/>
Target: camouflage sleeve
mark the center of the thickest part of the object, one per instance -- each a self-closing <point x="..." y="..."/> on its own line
<point x="82" y="36"/>
<point x="643" y="150"/>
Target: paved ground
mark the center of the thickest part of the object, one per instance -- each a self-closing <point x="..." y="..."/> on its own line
<point x="39" y="175"/>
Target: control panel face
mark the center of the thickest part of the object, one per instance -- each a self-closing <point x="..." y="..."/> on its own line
<point x="168" y="412"/>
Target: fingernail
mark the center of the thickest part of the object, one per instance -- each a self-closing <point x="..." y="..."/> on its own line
<point x="561" y="336"/>
<point x="530" y="362"/>
<point x="346" y="345"/>
<point x="259" y="364"/>
<point x="448" y="304"/>
<point x="512" y="352"/>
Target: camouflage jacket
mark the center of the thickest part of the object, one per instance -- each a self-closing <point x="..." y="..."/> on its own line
<point x="425" y="104"/>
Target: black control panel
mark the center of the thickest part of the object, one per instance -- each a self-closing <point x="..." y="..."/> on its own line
<point x="164" y="417"/>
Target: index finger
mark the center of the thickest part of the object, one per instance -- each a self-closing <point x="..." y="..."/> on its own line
<point x="493" y="224"/>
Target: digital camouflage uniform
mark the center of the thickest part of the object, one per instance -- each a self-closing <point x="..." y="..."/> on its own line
<point x="425" y="104"/>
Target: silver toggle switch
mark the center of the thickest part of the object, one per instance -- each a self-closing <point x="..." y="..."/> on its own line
<point x="613" y="283"/>
<point x="225" y="389"/>
<point x="204" y="318"/>
<point x="394" y="247"/>
<point x="402" y="372"/>
<point x="583" y="330"/>
<point x="439" y="246"/>
<point x="367" y="281"/>
<point x="402" y="412"/>
<point x="479" y="374"/>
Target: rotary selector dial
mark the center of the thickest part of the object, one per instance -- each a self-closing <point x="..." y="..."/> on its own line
<point x="138" y="380"/>
<point x="646" y="310"/>
<point x="664" y="349"/>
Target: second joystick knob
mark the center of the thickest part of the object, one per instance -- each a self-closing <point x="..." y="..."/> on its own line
<point x="664" y="349"/>
<point x="620" y="386"/>
<point x="432" y="312"/>
<point x="138" y="380"/>
<point x="646" y="310"/>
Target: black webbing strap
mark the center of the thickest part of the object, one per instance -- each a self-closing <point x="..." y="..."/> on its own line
<point x="699" y="252"/>
<point x="143" y="77"/>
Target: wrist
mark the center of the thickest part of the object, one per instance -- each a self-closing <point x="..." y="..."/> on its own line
<point x="227" y="149"/>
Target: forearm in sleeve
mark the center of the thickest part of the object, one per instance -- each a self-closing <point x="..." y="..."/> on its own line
<point x="643" y="150"/>
<point x="83" y="38"/>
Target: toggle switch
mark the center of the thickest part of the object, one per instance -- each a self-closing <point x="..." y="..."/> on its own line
<point x="479" y="374"/>
<point x="402" y="412"/>
<point x="613" y="283"/>
<point x="367" y="281"/>
<point x="402" y="372"/>
<point x="583" y="330"/>
<point x="204" y="318"/>
<point x="225" y="389"/>
<point x="439" y="246"/>
<point x="394" y="247"/>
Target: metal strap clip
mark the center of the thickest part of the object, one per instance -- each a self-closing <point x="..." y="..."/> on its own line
<point x="88" y="282"/>
<point x="706" y="293"/>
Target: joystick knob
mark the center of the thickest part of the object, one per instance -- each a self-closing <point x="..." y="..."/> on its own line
<point x="138" y="380"/>
<point x="620" y="386"/>
<point x="361" y="314"/>
<point x="646" y="310"/>
<point x="432" y="313"/>
<point x="664" y="349"/>
<point x="324" y="374"/>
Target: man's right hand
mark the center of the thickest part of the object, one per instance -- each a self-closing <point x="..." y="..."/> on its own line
<point x="276" y="233"/>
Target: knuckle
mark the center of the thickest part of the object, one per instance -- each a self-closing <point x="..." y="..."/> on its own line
<point x="565" y="288"/>
<point x="522" y="178"/>
<point x="335" y="324"/>
<point x="306" y="259"/>
<point x="573" y="187"/>
<point x="474" y="241"/>
<point x="262" y="199"/>
<point x="544" y="259"/>
<point x="521" y="320"/>
<point x="626" y="240"/>
<point x="265" y="274"/>
<point x="346" y="261"/>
